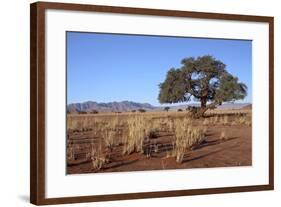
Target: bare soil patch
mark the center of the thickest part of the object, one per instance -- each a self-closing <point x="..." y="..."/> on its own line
<point x="227" y="142"/>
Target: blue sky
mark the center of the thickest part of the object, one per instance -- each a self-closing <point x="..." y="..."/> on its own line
<point x="112" y="67"/>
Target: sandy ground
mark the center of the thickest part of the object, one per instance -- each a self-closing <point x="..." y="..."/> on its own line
<point x="235" y="150"/>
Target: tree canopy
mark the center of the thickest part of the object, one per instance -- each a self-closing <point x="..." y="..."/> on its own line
<point x="204" y="79"/>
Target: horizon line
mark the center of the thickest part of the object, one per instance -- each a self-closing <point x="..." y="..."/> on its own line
<point x="180" y="103"/>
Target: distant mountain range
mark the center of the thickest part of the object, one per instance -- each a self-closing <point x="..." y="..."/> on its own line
<point x="108" y="107"/>
<point x="124" y="106"/>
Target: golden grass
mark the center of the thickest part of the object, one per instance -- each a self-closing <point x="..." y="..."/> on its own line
<point x="139" y="128"/>
<point x="228" y="119"/>
<point x="225" y="120"/>
<point x="206" y="122"/>
<point x="97" y="157"/>
<point x="109" y="137"/>
<point x="245" y="120"/>
<point x="186" y="136"/>
<point x="70" y="152"/>
<point x="136" y="131"/>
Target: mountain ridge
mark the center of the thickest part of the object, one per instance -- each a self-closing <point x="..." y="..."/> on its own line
<point x="125" y="106"/>
<point x="115" y="106"/>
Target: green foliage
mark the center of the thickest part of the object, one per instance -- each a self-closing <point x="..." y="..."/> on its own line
<point x="142" y="110"/>
<point x="166" y="108"/>
<point x="204" y="79"/>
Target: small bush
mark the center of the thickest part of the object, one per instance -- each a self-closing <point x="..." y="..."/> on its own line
<point x="180" y="110"/>
<point x="142" y="110"/>
<point x="167" y="108"/>
<point x="94" y="112"/>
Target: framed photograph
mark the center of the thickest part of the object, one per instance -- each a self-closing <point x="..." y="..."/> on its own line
<point x="130" y="103"/>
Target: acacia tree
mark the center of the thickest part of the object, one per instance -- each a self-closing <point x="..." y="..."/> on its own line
<point x="204" y="79"/>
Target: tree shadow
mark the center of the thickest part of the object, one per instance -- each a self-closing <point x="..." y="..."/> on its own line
<point x="200" y="156"/>
<point x="204" y="155"/>
<point x="207" y="143"/>
<point x="230" y="114"/>
<point x="158" y="149"/>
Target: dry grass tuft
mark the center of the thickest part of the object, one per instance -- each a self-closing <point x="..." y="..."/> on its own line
<point x="139" y="128"/>
<point x="225" y="120"/>
<point x="97" y="157"/>
<point x="214" y="120"/>
<point x="206" y="122"/>
<point x="70" y="152"/>
<point x="244" y="120"/>
<point x="139" y="132"/>
<point x="109" y="137"/>
<point x="186" y="136"/>
<point x="223" y="135"/>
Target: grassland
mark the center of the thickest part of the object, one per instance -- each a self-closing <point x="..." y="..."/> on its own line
<point x="111" y="142"/>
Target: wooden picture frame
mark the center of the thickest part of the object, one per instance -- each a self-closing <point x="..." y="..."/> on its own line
<point x="38" y="98"/>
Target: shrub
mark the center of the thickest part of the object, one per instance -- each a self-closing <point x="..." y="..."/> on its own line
<point x="142" y="110"/>
<point x="94" y="112"/>
<point x="180" y="110"/>
<point x="166" y="108"/>
<point x="82" y="112"/>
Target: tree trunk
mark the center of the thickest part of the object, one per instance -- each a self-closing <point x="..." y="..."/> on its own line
<point x="203" y="103"/>
<point x="204" y="107"/>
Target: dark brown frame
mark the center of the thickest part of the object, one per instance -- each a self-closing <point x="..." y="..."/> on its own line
<point x="37" y="102"/>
